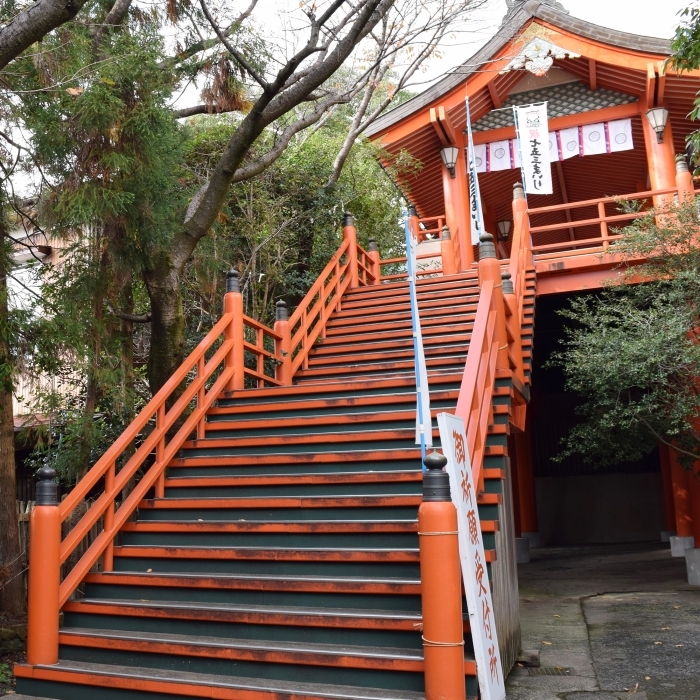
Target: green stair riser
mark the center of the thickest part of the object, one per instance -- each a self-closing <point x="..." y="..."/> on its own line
<point x="318" y="446"/>
<point x="263" y="514"/>
<point x="350" y="601"/>
<point x="408" y="639"/>
<point x="303" y="468"/>
<point x="379" y="540"/>
<point x="368" y="678"/>
<point x="302" y="490"/>
<point x="247" y="566"/>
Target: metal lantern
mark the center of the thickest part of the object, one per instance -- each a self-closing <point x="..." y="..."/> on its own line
<point x="449" y="156"/>
<point x="658" y="118"/>
<point x="504" y="230"/>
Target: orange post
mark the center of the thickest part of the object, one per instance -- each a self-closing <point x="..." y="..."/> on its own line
<point x="284" y="346"/>
<point x="693" y="481"/>
<point x="490" y="270"/>
<point x="44" y="572"/>
<point x="661" y="161"/>
<point x="441" y="586"/>
<point x="350" y="234"/>
<point x="684" y="181"/>
<point x="233" y="304"/>
<point x="681" y="497"/>
<point x="373" y="254"/>
<point x="447" y="251"/>
<point x="526" y="484"/>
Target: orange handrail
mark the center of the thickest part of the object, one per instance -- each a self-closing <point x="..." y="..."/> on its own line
<point x="157" y="440"/>
<point x="308" y="322"/>
<point x="474" y="404"/>
<point x="259" y="353"/>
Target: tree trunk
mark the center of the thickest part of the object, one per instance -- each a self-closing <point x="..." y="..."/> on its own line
<point x="167" y="323"/>
<point x="12" y="597"/>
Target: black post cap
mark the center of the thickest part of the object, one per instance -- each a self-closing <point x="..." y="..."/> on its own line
<point x="445" y="233"/>
<point x="436" y="482"/>
<point x="412" y="210"/>
<point x="348" y="219"/>
<point x="281" y="311"/>
<point x="47" y="488"/>
<point x="487" y="248"/>
<point x="232" y="284"/>
<point x="372" y="244"/>
<point x="506" y="283"/>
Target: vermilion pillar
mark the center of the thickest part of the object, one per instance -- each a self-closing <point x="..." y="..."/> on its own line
<point x="527" y="498"/>
<point x="460" y="188"/>
<point x="661" y="161"/>
<point x="692" y="478"/>
<point x="681" y="497"/>
<point x="667" y="485"/>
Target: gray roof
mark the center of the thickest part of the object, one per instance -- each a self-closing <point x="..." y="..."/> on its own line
<point x="515" y="20"/>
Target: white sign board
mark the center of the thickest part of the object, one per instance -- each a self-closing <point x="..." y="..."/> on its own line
<point x="471" y="554"/>
<point x="533" y="132"/>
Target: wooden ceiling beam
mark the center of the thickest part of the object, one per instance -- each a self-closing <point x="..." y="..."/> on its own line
<point x="435" y="123"/>
<point x="661" y="83"/>
<point x="651" y="85"/>
<point x="592" y="74"/>
<point x="495" y="98"/>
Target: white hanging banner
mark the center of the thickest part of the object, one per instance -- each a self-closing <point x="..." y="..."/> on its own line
<point x="471" y="553"/>
<point x="594" y="141"/>
<point x="620" y="135"/>
<point x="481" y="158"/>
<point x="553" y="147"/>
<point x="570" y="144"/>
<point x="499" y="156"/>
<point x="533" y="131"/>
<point x="475" y="212"/>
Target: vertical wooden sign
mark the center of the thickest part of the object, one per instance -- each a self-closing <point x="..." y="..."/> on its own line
<point x="471" y="552"/>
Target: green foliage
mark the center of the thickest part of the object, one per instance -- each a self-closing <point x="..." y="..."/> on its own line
<point x="632" y="351"/>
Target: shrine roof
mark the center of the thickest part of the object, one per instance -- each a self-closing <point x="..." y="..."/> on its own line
<point x="512" y="26"/>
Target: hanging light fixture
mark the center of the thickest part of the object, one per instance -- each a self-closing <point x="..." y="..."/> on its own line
<point x="449" y="156"/>
<point x="658" y="118"/>
<point x="504" y="230"/>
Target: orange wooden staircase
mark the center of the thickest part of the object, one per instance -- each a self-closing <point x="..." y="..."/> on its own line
<point x="270" y="547"/>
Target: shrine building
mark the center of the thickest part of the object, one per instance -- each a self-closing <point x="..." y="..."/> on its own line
<point x="618" y="117"/>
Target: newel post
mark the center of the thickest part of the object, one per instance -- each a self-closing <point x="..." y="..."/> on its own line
<point x="284" y="346"/>
<point x="350" y="234"/>
<point x="233" y="304"/>
<point x="441" y="586"/>
<point x="490" y="269"/>
<point x="373" y="253"/>
<point x="44" y="572"/>
<point x="684" y="181"/>
<point x="447" y="251"/>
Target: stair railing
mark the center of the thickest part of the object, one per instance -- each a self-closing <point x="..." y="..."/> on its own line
<point x="474" y="404"/>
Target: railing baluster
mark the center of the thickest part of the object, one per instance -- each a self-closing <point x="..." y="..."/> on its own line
<point x="200" y="398"/>
<point x="160" y="450"/>
<point x="108" y="560"/>
<point x="603" y="225"/>
<point x="260" y="363"/>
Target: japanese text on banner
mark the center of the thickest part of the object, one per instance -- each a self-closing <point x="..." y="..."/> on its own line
<point x="533" y="132"/>
<point x="473" y="558"/>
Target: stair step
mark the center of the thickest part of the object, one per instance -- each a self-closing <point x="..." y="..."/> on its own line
<point x="297" y="479"/>
<point x="76" y="675"/>
<point x="348" y="656"/>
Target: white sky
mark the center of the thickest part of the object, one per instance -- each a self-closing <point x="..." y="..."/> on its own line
<point x="657" y="18"/>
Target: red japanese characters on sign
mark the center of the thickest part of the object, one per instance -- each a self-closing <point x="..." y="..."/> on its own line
<point x="473" y="558"/>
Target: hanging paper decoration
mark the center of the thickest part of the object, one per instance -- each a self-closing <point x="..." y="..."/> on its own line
<point x="533" y="130"/>
<point x="499" y="156"/>
<point x="592" y="139"/>
<point x="620" y="135"/>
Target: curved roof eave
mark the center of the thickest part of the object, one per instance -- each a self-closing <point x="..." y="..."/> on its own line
<point x="533" y="8"/>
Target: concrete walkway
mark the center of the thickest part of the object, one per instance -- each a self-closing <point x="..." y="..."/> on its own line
<point x="610" y="622"/>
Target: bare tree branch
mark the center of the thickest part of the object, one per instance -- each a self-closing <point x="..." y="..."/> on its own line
<point x="33" y="24"/>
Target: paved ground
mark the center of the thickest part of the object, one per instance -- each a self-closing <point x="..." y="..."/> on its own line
<point x="612" y="622"/>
